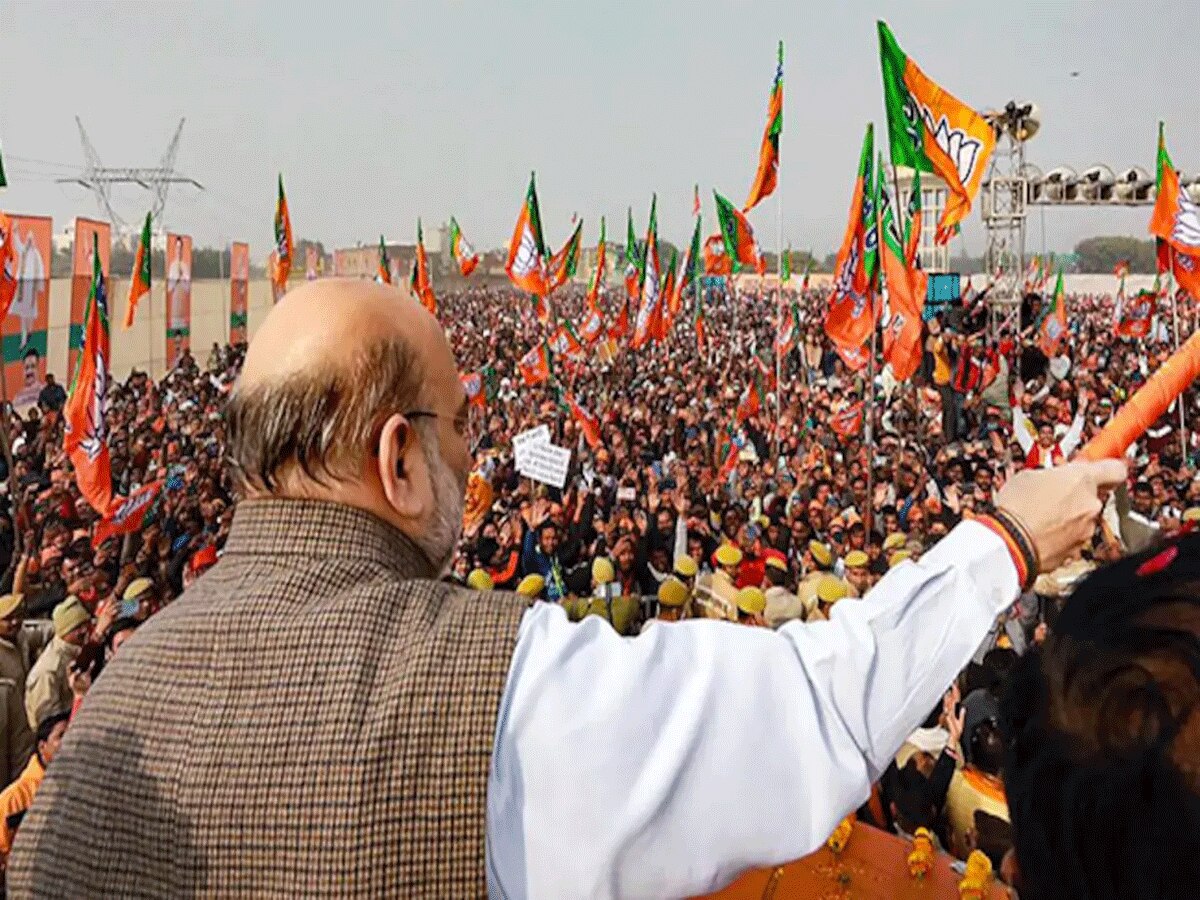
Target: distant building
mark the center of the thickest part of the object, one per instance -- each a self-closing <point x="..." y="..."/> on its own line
<point x="933" y="204"/>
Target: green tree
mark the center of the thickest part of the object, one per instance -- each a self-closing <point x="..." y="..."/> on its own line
<point x="1101" y="254"/>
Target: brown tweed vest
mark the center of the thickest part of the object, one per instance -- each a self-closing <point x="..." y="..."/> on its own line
<point x="313" y="718"/>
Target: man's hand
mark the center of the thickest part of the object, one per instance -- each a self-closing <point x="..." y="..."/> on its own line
<point x="1059" y="507"/>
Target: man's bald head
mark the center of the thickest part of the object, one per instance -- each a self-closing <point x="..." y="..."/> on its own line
<point x="331" y="360"/>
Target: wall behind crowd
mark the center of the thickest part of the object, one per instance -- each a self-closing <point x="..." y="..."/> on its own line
<point x="144" y="346"/>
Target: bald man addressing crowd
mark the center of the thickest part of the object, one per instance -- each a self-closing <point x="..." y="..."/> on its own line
<point x="319" y="716"/>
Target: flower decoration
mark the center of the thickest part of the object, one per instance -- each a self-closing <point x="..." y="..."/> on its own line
<point x="977" y="878"/>
<point x="841" y="835"/>
<point x="920" y="861"/>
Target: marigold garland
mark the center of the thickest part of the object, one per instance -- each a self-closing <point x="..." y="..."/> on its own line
<point x="977" y="878"/>
<point x="920" y="861"/>
<point x="841" y="835"/>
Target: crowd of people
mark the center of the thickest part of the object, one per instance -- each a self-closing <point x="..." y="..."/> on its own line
<point x="722" y="484"/>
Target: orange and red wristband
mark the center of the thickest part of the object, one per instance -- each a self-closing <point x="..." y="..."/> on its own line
<point x="1018" y="542"/>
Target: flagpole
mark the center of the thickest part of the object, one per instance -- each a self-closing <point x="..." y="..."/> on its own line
<point x="1175" y="316"/>
<point x="778" y="310"/>
<point x="869" y="418"/>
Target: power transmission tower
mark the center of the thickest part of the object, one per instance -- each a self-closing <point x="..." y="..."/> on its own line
<point x="99" y="178"/>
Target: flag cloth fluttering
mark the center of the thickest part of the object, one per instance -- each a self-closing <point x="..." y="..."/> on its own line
<point x="472" y="384"/>
<point x="1052" y="327"/>
<point x="535" y="365"/>
<point x="589" y="425"/>
<point x="422" y="287"/>
<point x="283" y="244"/>
<point x="563" y="264"/>
<point x="383" y="273"/>
<point x="1175" y="223"/>
<point x="648" y="323"/>
<point x="564" y="342"/>
<point x="912" y="223"/>
<point x="931" y="131"/>
<point x="633" y="262"/>
<point x="716" y="260"/>
<point x="86" y="432"/>
<point x="807" y="271"/>
<point x="464" y="254"/>
<point x="727" y="452"/>
<point x="596" y="284"/>
<point x="128" y="515"/>
<point x="696" y="200"/>
<point x="767" y="176"/>
<point x="1133" y="317"/>
<point x="789" y="329"/>
<point x="139" y="278"/>
<point x="905" y="291"/>
<point x="671" y="294"/>
<point x="753" y="398"/>
<point x="689" y="282"/>
<point x="851" y="314"/>
<point x="847" y="421"/>
<point x="526" y="265"/>
<point x="8" y="266"/>
<point x="740" y="245"/>
<point x="785" y="266"/>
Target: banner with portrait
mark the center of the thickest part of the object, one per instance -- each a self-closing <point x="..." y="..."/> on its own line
<point x="27" y="324"/>
<point x="81" y="279"/>
<point x="179" y="297"/>
<point x="239" y="291"/>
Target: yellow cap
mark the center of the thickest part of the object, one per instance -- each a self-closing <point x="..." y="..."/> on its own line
<point x="10" y="603"/>
<point x="531" y="585"/>
<point x="777" y="562"/>
<point x="856" y="559"/>
<point x="728" y="555"/>
<point x="1192" y="515"/>
<point x="821" y="553"/>
<point x="480" y="580"/>
<point x="898" y="557"/>
<point x="686" y="567"/>
<point x="672" y="592"/>
<point x="894" y="541"/>
<point x="831" y="589"/>
<point x="137" y="589"/>
<point x="751" y="601"/>
<point x="602" y="571"/>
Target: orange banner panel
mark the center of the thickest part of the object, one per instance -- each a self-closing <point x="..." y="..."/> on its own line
<point x="25" y="328"/>
<point x="239" y="289"/>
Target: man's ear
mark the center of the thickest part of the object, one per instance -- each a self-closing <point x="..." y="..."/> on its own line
<point x="402" y="468"/>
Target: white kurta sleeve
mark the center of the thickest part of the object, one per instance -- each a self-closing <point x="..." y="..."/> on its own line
<point x="664" y="765"/>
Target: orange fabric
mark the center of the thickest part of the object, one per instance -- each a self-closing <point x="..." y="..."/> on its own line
<point x="15" y="800"/>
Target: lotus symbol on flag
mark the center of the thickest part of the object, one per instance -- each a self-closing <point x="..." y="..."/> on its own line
<point x="93" y="441"/>
<point x="845" y="277"/>
<point x="527" y="255"/>
<point x="1053" y="329"/>
<point x="957" y="144"/>
<point x="1187" y="223"/>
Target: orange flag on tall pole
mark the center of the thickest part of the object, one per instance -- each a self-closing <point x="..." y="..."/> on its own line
<point x="86" y="432"/>
<point x="1175" y="222"/>
<point x="8" y="266"/>
<point x="422" y="286"/>
<point x="283" y="244"/>
<point x="139" y="279"/>
<point x="767" y="176"/>
<point x="851" y="314"/>
<point x="526" y="265"/>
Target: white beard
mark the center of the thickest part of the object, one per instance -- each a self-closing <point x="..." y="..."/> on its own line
<point x="449" y="496"/>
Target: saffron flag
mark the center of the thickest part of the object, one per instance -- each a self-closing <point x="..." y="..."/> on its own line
<point x="589" y="425"/>
<point x="789" y="330"/>
<point x="695" y="200"/>
<point x="767" y="176"/>
<point x="855" y="358"/>
<point x="1121" y="269"/>
<point x="593" y="323"/>
<point x="807" y="270"/>
<point x="535" y="365"/>
<point x="383" y="272"/>
<point x="739" y="237"/>
<point x="671" y="293"/>
<point x="753" y="398"/>
<point x="727" y="452"/>
<point x="912" y="223"/>
<point x="716" y="260"/>
<point x="422" y="287"/>
<point x="283" y="245"/>
<point x="1052" y="327"/>
<point x="563" y="264"/>
<point x="690" y="280"/>
<point x="633" y="262"/>
<point x="931" y="131"/>
<point x="1175" y="222"/>
<point x="239" y="291"/>
<point x="464" y="254"/>
<point x="139" y="278"/>
<point x="597" y="281"/>
<point x="526" y="265"/>
<point x="86" y="432"/>
<point x="564" y="342"/>
<point x="8" y="266"/>
<point x="905" y="291"/>
<point x="851" y="315"/>
<point x="473" y="387"/>
<point x="648" y="322"/>
<point x="127" y="515"/>
<point x="1133" y="318"/>
<point x="847" y="421"/>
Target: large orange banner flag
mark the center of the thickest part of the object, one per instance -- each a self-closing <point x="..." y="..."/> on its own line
<point x="28" y="319"/>
<point x="81" y="279"/>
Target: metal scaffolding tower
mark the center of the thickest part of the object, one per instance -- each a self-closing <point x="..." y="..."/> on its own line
<point x="99" y="178"/>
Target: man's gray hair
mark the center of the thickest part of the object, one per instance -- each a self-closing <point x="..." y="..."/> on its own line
<point x="321" y="421"/>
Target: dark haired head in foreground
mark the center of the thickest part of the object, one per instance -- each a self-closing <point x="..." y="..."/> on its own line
<point x="1102" y="763"/>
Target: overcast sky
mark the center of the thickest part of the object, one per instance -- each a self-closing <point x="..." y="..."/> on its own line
<point x="380" y="112"/>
